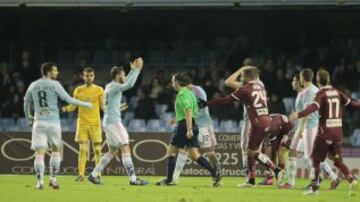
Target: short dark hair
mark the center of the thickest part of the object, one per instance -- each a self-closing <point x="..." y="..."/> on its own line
<point x="115" y="71"/>
<point x="89" y="69"/>
<point x="307" y="74"/>
<point x="184" y="79"/>
<point x="251" y="73"/>
<point x="323" y="77"/>
<point x="47" y="67"/>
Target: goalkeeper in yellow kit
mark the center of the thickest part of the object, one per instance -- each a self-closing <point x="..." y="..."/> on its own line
<point x="89" y="122"/>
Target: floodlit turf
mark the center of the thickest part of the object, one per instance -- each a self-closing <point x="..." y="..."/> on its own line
<point x="190" y="189"/>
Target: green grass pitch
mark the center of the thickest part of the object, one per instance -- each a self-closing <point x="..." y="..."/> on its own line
<point x="191" y="189"/>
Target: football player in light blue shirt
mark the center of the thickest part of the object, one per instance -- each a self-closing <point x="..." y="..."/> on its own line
<point x="117" y="136"/>
<point x="43" y="94"/>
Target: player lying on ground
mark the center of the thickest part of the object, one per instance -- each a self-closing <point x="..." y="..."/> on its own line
<point x="234" y="82"/>
<point x="44" y="94"/>
<point x="254" y="96"/>
<point x="117" y="136"/>
<point x="206" y="139"/>
<point x="89" y="122"/>
<point x="329" y="139"/>
<point x="305" y="131"/>
<point x="186" y="132"/>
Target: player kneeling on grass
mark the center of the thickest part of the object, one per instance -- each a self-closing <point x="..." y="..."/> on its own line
<point x="44" y="94"/>
<point x="117" y="136"/>
<point x="329" y="139"/>
<point x="186" y="132"/>
<point x="206" y="139"/>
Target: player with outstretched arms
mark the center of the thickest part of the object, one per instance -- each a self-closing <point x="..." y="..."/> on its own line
<point x="117" y="136"/>
<point x="43" y="94"/>
<point x="329" y="102"/>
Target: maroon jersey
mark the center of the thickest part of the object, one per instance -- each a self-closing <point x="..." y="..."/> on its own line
<point x="254" y="97"/>
<point x="280" y="126"/>
<point x="330" y="102"/>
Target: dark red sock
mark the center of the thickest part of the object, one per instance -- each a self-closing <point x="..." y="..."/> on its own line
<point x="344" y="169"/>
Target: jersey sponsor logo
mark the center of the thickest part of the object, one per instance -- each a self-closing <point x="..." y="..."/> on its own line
<point x="331" y="93"/>
<point x="333" y="123"/>
<point x="262" y="111"/>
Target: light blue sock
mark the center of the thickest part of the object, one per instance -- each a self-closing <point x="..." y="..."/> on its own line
<point x="54" y="165"/>
<point x="39" y="167"/>
<point x="128" y="164"/>
<point x="101" y="165"/>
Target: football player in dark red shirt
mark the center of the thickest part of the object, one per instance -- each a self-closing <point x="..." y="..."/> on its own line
<point x="329" y="102"/>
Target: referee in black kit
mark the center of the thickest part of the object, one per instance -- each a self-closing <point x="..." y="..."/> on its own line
<point x="186" y="133"/>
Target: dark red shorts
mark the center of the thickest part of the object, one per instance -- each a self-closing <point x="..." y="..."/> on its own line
<point x="257" y="135"/>
<point x="327" y="144"/>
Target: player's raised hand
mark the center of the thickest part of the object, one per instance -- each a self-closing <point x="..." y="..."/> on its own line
<point x="293" y="116"/>
<point x="137" y="64"/>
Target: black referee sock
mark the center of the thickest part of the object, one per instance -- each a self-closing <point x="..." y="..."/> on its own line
<point x="205" y="163"/>
<point x="170" y="168"/>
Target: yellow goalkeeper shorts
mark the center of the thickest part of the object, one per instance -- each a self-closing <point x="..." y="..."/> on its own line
<point x="85" y="133"/>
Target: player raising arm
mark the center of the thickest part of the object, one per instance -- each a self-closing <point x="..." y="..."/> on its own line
<point x="117" y="136"/>
<point x="328" y="102"/>
<point x="254" y="96"/>
<point x="44" y="94"/>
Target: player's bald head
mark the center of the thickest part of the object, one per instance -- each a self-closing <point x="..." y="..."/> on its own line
<point x="323" y="77"/>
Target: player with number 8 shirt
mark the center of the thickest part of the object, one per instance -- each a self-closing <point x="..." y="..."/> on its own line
<point x="43" y="94"/>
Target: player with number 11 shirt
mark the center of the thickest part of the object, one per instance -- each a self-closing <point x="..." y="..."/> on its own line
<point x="254" y="97"/>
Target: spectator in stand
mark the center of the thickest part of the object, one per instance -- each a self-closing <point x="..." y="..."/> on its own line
<point x="156" y="89"/>
<point x="145" y="107"/>
<point x="276" y="105"/>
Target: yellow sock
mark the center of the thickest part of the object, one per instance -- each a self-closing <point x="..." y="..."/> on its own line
<point x="83" y="153"/>
<point x="97" y="152"/>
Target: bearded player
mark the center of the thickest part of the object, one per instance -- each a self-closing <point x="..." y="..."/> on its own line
<point x="89" y="122"/>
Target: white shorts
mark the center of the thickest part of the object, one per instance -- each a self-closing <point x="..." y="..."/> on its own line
<point x="306" y="143"/>
<point x="309" y="138"/>
<point x="245" y="134"/>
<point x="207" y="137"/>
<point x="116" y="134"/>
<point x="44" y="134"/>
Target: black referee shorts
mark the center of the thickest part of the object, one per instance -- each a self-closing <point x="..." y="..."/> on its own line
<point x="179" y="138"/>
